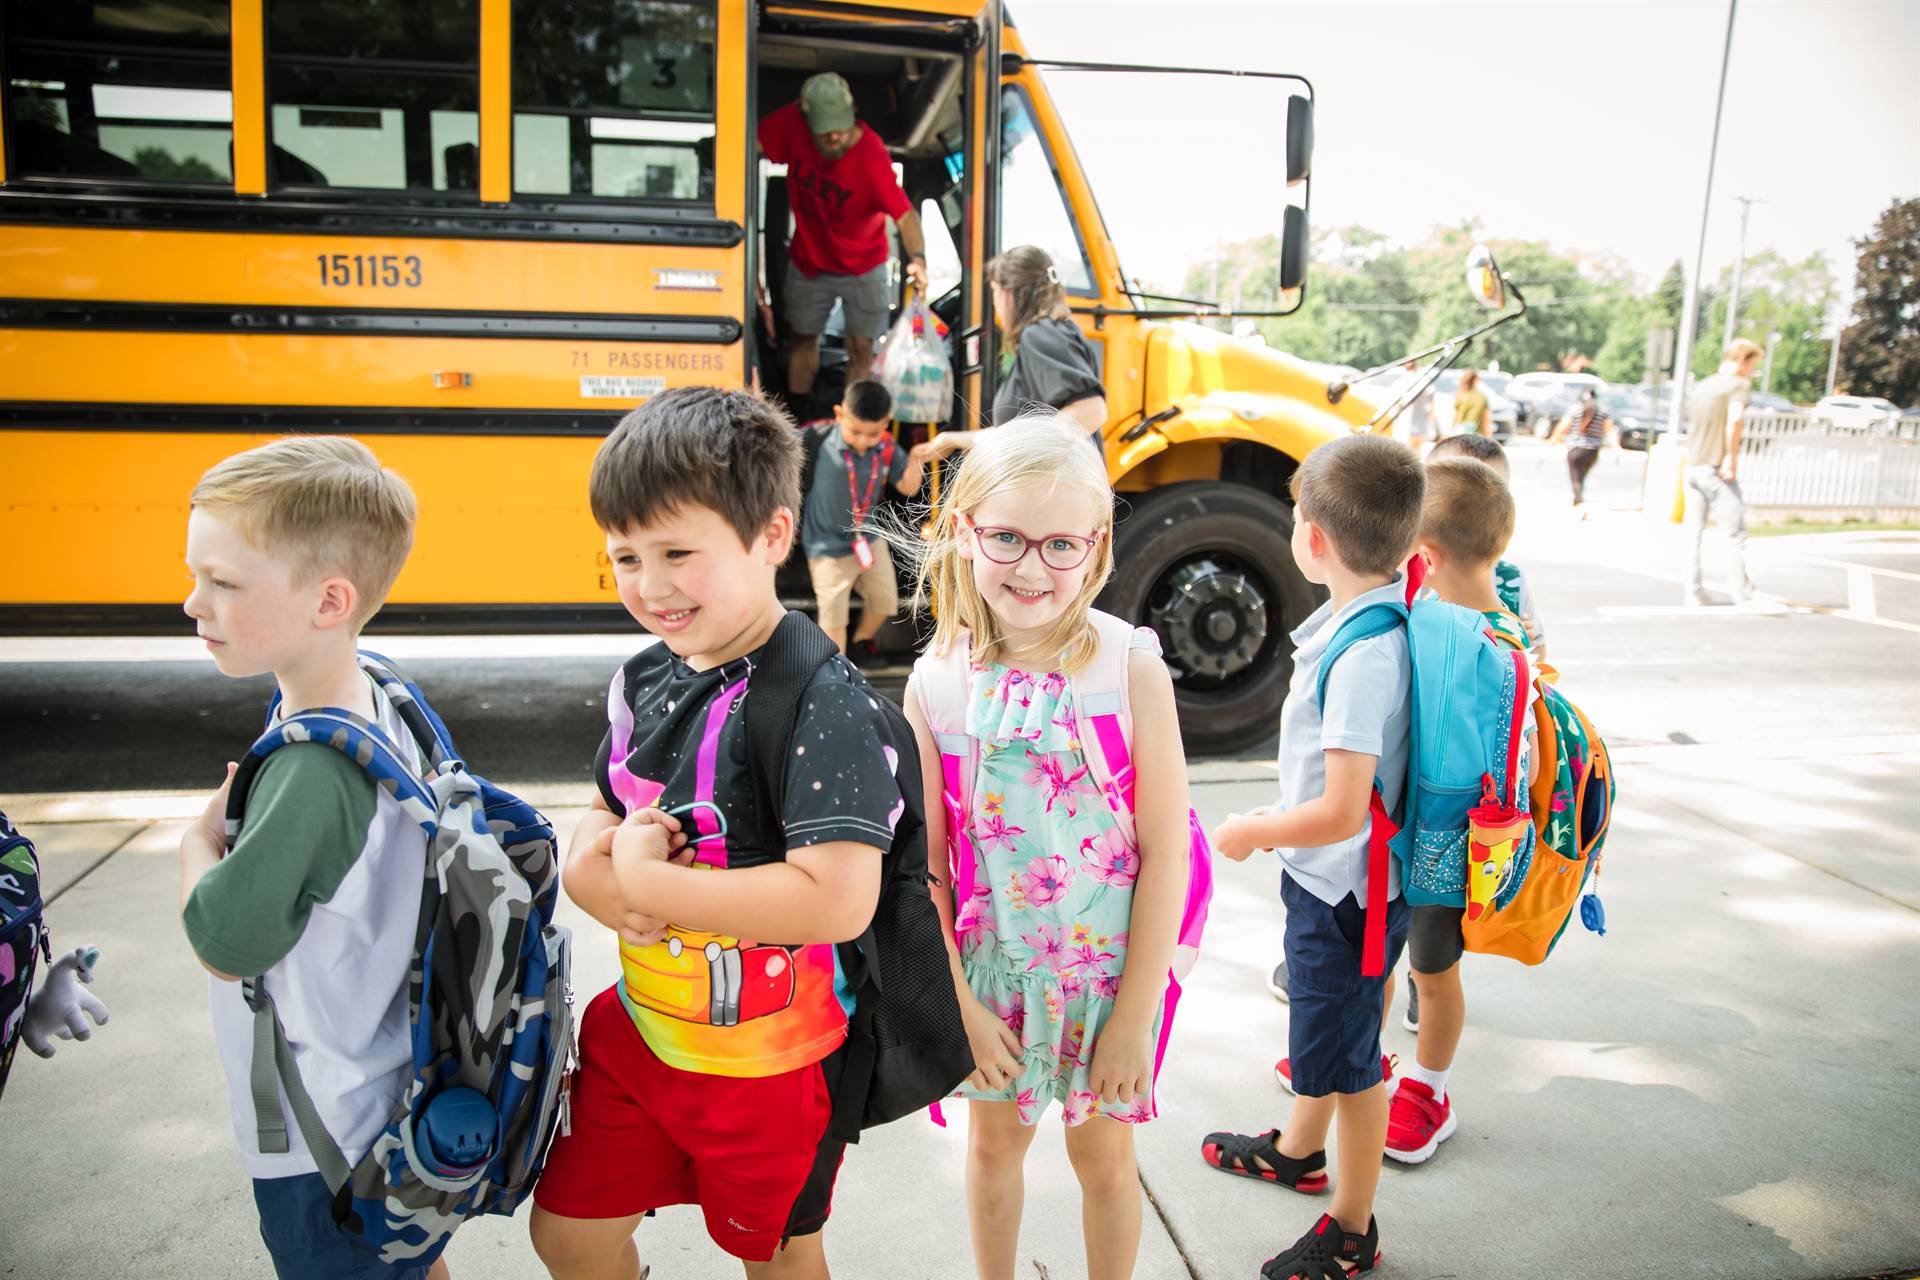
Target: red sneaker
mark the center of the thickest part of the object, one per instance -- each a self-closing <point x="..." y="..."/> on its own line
<point x="1418" y="1123"/>
<point x="1283" y="1072"/>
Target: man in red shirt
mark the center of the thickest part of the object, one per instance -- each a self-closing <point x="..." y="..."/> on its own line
<point x="841" y="186"/>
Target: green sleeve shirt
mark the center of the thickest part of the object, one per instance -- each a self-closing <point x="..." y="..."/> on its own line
<point x="309" y="813"/>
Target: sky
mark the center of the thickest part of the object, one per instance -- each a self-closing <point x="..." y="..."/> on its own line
<point x="1582" y="124"/>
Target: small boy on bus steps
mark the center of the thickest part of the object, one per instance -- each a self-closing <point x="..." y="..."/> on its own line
<point x="859" y="461"/>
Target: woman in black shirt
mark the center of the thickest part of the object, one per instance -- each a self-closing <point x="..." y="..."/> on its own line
<point x="1045" y="361"/>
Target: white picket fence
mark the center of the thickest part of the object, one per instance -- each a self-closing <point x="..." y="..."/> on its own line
<point x="1789" y="459"/>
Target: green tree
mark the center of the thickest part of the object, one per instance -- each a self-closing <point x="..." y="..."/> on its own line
<point x="1880" y="349"/>
<point x="162" y="165"/>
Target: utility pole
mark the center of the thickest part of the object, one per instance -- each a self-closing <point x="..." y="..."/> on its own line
<point x="1833" y="361"/>
<point x="1739" y="263"/>
<point x="1690" y="313"/>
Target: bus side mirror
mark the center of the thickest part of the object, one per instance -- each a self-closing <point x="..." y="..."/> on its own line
<point x="1299" y="139"/>
<point x="1484" y="280"/>
<point x="1293" y="248"/>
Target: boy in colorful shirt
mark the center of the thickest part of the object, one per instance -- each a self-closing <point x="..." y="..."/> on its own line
<point x="706" y="1073"/>
<point x="292" y="547"/>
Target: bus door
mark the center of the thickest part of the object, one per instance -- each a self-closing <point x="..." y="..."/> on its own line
<point x="921" y="73"/>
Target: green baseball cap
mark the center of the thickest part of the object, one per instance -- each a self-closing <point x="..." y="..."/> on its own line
<point x="827" y="102"/>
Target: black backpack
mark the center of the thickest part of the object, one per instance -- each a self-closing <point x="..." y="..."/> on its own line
<point x="906" y="1045"/>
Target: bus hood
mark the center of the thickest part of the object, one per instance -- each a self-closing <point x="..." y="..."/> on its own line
<point x="1232" y="388"/>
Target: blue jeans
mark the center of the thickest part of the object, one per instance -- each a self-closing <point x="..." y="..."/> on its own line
<point x="1709" y="493"/>
<point x="296" y="1221"/>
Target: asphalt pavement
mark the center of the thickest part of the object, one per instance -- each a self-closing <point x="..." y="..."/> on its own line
<point x="1721" y="1086"/>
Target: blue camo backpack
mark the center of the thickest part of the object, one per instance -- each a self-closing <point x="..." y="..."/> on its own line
<point x="489" y="996"/>
<point x="1470" y="700"/>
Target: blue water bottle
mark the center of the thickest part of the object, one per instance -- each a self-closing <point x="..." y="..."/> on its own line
<point x="459" y="1128"/>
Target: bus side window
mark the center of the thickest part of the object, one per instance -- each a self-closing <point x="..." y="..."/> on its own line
<point x="89" y="96"/>
<point x="374" y="94"/>
<point x="616" y="102"/>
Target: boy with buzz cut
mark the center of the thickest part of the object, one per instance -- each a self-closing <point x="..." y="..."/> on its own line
<point x="292" y="547"/>
<point x="706" y="1072"/>
<point x="1356" y="510"/>
<point x="1508" y="581"/>
<point x="858" y="463"/>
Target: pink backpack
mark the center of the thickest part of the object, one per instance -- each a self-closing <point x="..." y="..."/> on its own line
<point x="1104" y="724"/>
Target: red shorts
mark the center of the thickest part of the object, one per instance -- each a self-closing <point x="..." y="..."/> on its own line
<point x="752" y="1153"/>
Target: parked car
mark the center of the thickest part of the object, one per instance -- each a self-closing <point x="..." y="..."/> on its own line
<point x="1633" y="414"/>
<point x="1854" y="413"/>
<point x="1771" y="400"/>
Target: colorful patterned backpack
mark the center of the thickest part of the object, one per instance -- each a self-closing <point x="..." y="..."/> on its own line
<point x="23" y="937"/>
<point x="1104" y="723"/>
<point x="489" y="996"/>
<point x="1572" y="812"/>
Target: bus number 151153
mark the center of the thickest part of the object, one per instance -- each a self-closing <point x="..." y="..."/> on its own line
<point x="382" y="271"/>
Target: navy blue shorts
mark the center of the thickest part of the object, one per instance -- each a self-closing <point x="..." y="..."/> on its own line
<point x="1333" y="1014"/>
<point x="296" y="1221"/>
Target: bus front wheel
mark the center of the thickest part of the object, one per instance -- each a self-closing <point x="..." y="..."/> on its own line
<point x="1208" y="566"/>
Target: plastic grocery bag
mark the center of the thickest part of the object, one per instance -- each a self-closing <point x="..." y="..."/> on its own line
<point x="911" y="363"/>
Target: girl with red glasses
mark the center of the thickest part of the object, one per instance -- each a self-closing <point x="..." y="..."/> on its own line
<point x="1060" y="877"/>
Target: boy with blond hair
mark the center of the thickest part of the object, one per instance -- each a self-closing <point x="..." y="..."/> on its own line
<point x="292" y="547"/>
<point x="1356" y="509"/>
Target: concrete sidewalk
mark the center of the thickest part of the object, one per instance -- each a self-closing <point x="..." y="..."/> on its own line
<point x="1721" y="1087"/>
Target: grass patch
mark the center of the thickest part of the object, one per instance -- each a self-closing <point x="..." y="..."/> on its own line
<point x="1846" y="526"/>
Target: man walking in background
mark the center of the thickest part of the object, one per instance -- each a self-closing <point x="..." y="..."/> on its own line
<point x="1713" y="466"/>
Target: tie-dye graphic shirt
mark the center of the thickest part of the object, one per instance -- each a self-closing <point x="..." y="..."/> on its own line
<point x="677" y="739"/>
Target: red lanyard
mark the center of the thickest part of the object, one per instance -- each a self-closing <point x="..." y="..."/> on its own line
<point x="860" y="507"/>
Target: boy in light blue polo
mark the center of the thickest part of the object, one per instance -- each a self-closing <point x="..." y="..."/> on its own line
<point x="1357" y="507"/>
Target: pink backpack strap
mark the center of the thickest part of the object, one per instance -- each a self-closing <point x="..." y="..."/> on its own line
<point x="942" y="682"/>
<point x="1103" y="712"/>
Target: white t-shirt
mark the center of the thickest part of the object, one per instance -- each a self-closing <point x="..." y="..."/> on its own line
<point x="351" y="912"/>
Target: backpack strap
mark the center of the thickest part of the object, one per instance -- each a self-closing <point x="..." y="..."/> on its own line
<point x="941" y="682"/>
<point x="1374" y="620"/>
<point x="367" y="746"/>
<point x="777" y="687"/>
<point x="1103" y="715"/>
<point x="794" y="655"/>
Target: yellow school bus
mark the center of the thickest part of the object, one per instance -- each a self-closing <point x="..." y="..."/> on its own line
<point x="474" y="232"/>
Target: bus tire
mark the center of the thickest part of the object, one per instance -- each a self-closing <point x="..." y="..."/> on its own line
<point x="1209" y="566"/>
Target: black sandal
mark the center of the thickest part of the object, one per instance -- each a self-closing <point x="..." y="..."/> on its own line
<point x="1326" y="1253"/>
<point x="1239" y="1153"/>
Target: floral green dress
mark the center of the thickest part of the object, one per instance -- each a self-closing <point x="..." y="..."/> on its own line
<point x="1043" y="942"/>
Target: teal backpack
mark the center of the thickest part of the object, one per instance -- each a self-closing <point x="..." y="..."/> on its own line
<point x="1462" y="837"/>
